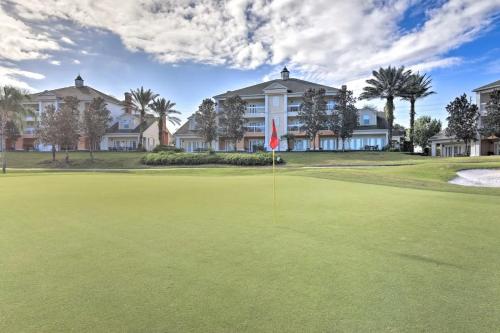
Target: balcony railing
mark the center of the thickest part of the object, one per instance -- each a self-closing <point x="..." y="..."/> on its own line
<point x="255" y="109"/>
<point x="29" y="131"/>
<point x="293" y="107"/>
<point x="255" y="129"/>
<point x="295" y="128"/>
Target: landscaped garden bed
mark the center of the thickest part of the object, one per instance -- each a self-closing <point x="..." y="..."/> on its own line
<point x="177" y="158"/>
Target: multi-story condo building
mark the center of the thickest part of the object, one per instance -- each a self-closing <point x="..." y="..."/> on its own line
<point x="449" y="146"/>
<point x="123" y="132"/>
<point x="280" y="100"/>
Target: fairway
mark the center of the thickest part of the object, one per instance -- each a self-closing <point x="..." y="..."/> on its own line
<point x="198" y="251"/>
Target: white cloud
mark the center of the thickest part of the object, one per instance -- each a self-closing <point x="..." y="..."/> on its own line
<point x="55" y="62"/>
<point x="67" y="40"/>
<point x="20" y="42"/>
<point x="76" y="61"/>
<point x="318" y="40"/>
<point x="11" y="76"/>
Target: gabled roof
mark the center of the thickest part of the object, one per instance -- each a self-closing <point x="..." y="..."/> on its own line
<point x="82" y="93"/>
<point x="184" y="129"/>
<point x="292" y="85"/>
<point x="115" y="128"/>
<point x="441" y="136"/>
<point x="495" y="84"/>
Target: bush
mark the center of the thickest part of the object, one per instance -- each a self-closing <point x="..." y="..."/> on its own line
<point x="170" y="158"/>
<point x="166" y="148"/>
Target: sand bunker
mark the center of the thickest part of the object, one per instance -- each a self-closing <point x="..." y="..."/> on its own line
<point x="478" y="177"/>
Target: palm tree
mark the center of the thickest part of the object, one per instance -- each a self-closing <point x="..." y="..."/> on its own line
<point x="164" y="109"/>
<point x="418" y="86"/>
<point x="141" y="99"/>
<point x="387" y="84"/>
<point x="12" y="111"/>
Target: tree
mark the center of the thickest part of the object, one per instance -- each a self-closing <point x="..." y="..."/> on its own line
<point x="312" y="113"/>
<point x="232" y="119"/>
<point x="11" y="110"/>
<point x="388" y="83"/>
<point x="68" y="124"/>
<point x="290" y="140"/>
<point x="462" y="120"/>
<point x="425" y="128"/>
<point x="491" y="120"/>
<point x="142" y="98"/>
<point x="47" y="130"/>
<point x="164" y="110"/>
<point x="206" y="121"/>
<point x="94" y="123"/>
<point x="417" y="86"/>
<point x="346" y="113"/>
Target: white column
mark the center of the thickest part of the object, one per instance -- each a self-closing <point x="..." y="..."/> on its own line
<point x="433" y="149"/>
<point x="285" y="125"/>
<point x="266" y="122"/>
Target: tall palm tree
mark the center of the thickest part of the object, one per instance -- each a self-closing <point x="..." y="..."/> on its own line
<point x="12" y="111"/>
<point x="141" y="99"/>
<point x="388" y="83"/>
<point x="418" y="86"/>
<point x="164" y="110"/>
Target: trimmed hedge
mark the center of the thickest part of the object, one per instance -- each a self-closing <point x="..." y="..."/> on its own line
<point x="171" y="158"/>
<point x="167" y="148"/>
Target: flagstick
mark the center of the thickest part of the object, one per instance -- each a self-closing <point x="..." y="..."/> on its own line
<point x="274" y="191"/>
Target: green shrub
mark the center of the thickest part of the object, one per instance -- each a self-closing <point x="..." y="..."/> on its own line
<point x="171" y="158"/>
<point x="166" y="148"/>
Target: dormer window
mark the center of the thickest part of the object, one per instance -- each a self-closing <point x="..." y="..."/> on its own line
<point x="366" y="119"/>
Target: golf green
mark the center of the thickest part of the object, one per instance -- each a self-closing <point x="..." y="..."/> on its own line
<point x="178" y="252"/>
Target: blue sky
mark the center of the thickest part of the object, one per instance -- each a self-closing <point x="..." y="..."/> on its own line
<point x="187" y="51"/>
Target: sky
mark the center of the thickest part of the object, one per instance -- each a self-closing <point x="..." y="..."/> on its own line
<point x="189" y="50"/>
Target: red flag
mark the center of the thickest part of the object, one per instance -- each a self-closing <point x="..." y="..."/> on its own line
<point x="274" y="142"/>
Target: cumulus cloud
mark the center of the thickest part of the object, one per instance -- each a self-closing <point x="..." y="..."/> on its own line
<point x="76" y="61"/>
<point x="55" y="62"/>
<point x="20" y="42"/>
<point x="321" y="41"/>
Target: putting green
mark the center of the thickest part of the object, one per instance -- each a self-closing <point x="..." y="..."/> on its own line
<point x="172" y="252"/>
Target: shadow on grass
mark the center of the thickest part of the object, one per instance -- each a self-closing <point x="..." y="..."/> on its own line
<point x="426" y="260"/>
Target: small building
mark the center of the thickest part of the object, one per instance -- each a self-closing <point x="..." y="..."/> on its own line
<point x="123" y="135"/>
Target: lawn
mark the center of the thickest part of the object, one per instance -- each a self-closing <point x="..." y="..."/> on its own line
<point x="198" y="251"/>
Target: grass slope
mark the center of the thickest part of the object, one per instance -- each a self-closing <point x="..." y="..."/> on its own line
<point x="197" y="251"/>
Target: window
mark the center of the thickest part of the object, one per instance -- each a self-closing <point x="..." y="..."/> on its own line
<point x="330" y="105"/>
<point x="366" y="119"/>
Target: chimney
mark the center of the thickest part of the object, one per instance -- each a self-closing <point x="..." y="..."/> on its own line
<point x="344" y="87"/>
<point x="128" y="103"/>
<point x="78" y="81"/>
<point x="285" y="74"/>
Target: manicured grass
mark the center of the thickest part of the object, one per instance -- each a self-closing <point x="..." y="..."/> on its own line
<point x="78" y="160"/>
<point x="198" y="251"/>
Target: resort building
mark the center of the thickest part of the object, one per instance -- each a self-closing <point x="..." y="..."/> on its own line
<point x="280" y="100"/>
<point x="446" y="146"/>
<point x="122" y="134"/>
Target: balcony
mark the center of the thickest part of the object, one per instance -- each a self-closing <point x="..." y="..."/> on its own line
<point x="255" y="111"/>
<point x="293" y="108"/>
<point x="295" y="128"/>
<point x="255" y="128"/>
<point x="29" y="131"/>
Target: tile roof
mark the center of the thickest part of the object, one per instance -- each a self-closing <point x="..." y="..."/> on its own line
<point x="293" y="86"/>
<point x="441" y="136"/>
<point x="488" y="86"/>
<point x="81" y="93"/>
